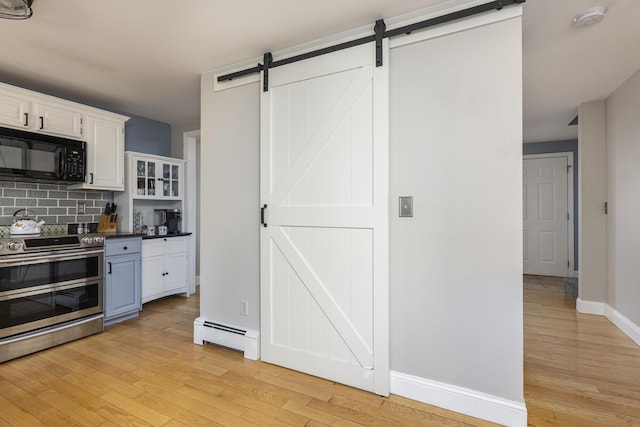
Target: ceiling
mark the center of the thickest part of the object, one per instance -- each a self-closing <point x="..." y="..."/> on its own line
<point x="145" y="57"/>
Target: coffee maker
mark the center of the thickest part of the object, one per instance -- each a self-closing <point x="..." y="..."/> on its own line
<point x="171" y="218"/>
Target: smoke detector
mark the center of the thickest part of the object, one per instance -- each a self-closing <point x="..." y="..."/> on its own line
<point x="590" y="16"/>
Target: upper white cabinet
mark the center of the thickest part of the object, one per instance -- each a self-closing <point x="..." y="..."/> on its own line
<point x="26" y="110"/>
<point x="58" y="118"/>
<point x="155" y="177"/>
<point x="105" y="152"/>
<point x="103" y="131"/>
<point x="15" y="109"/>
<point x="151" y="182"/>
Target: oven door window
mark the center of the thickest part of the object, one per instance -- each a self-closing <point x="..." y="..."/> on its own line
<point x="27" y="275"/>
<point x="32" y="310"/>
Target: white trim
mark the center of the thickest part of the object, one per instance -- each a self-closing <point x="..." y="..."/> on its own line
<point x="623" y="323"/>
<point x="459" y="399"/>
<point x="571" y="270"/>
<point x="189" y="153"/>
<point x="590" y="307"/>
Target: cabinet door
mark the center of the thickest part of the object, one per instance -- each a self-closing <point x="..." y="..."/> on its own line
<point x="147" y="174"/>
<point x="176" y="271"/>
<point x="58" y="119"/>
<point x="105" y="154"/>
<point x="152" y="276"/>
<point x="170" y="180"/>
<point x="14" y="110"/>
<point x="122" y="285"/>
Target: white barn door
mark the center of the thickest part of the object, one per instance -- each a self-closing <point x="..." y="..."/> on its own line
<point x="545" y="222"/>
<point x="324" y="253"/>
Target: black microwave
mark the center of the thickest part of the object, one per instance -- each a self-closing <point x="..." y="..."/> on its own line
<point x="29" y="156"/>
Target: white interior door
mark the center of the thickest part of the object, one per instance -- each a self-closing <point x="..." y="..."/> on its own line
<point x="545" y="211"/>
<point x="324" y="253"/>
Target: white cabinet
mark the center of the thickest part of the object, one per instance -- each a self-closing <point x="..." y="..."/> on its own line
<point x="151" y="182"/>
<point x="14" y="109"/>
<point x="164" y="267"/>
<point x="26" y="110"/>
<point x="105" y="152"/>
<point x="58" y="118"/>
<point x="156" y="178"/>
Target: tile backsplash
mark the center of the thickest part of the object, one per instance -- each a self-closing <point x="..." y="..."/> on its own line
<point x="53" y="203"/>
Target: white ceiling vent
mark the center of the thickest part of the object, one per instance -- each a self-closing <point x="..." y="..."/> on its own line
<point x="590" y="16"/>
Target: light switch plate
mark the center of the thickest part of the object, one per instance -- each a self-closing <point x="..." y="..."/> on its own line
<point x="406" y="206"/>
<point x="82" y="207"/>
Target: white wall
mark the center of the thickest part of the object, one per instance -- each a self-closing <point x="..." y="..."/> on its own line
<point x="456" y="267"/>
<point x="229" y="192"/>
<point x="623" y="179"/>
<point x="592" y="194"/>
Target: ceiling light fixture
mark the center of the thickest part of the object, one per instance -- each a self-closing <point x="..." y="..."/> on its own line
<point x="16" y="9"/>
<point x="590" y="16"/>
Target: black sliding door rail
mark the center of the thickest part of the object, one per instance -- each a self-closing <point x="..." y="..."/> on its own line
<point x="380" y="33"/>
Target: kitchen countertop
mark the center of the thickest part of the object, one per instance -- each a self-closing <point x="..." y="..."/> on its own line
<point x="145" y="237"/>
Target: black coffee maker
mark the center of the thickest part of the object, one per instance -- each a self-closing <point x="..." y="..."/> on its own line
<point x="171" y="218"/>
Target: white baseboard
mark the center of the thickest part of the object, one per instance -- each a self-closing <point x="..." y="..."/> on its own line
<point x="590" y="307"/>
<point x="623" y="323"/>
<point x="459" y="399"/>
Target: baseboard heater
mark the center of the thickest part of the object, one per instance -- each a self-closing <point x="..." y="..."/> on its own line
<point x="245" y="340"/>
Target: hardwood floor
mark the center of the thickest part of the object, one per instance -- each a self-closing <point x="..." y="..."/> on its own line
<point x="579" y="371"/>
<point x="147" y="371"/>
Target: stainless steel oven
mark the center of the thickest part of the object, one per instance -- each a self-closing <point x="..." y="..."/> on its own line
<point x="51" y="291"/>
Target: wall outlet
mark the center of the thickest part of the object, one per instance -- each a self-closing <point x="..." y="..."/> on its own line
<point x="82" y="207"/>
<point x="244" y="307"/>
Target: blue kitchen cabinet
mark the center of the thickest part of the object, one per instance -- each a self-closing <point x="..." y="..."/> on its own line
<point x="122" y="285"/>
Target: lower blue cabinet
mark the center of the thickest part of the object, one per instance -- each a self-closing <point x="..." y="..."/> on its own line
<point x="122" y="283"/>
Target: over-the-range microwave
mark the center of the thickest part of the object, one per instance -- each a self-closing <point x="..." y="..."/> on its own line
<point x="30" y="156"/>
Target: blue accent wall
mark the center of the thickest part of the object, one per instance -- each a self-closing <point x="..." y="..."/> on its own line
<point x="147" y="136"/>
<point x="549" y="147"/>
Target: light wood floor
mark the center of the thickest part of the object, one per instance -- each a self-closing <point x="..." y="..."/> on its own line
<point x="147" y="371"/>
<point x="579" y="370"/>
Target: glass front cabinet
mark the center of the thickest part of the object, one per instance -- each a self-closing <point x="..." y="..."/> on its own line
<point x="157" y="179"/>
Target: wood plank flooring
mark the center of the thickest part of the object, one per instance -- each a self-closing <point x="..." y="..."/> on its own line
<point x="147" y="371"/>
<point x="579" y="371"/>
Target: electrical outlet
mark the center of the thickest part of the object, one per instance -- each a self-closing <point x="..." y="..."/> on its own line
<point x="244" y="307"/>
<point x="82" y="207"/>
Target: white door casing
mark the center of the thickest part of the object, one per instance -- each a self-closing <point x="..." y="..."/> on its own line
<point x="546" y="214"/>
<point x="324" y="253"/>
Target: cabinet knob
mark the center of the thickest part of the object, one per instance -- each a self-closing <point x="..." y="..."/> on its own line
<point x="125" y="248"/>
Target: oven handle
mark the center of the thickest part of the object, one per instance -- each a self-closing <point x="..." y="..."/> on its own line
<point x="40" y="257"/>
<point x="48" y="288"/>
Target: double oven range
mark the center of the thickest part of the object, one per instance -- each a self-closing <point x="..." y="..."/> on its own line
<point x="51" y="291"/>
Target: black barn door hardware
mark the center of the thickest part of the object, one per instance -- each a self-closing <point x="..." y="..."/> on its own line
<point x="380" y="33"/>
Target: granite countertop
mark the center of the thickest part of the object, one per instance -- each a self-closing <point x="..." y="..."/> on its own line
<point x="123" y="235"/>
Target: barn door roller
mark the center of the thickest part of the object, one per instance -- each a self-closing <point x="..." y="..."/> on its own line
<point x="380" y="33"/>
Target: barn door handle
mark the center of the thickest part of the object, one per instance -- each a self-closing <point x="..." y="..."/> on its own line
<point x="262" y="209"/>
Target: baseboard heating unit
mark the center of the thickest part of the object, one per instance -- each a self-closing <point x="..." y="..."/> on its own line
<point x="245" y="340"/>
